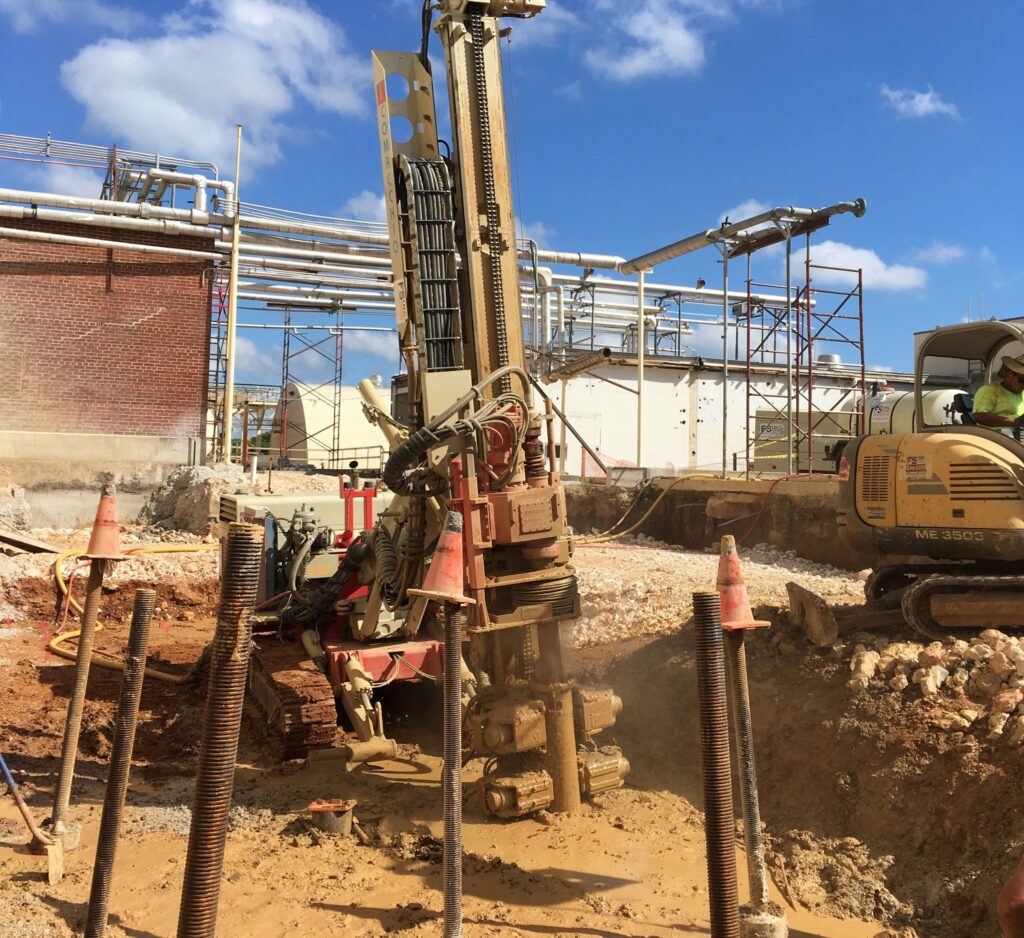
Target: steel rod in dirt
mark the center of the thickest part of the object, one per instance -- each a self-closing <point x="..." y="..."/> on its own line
<point x="229" y="662"/>
<point x="120" y="762"/>
<point x="716" y="766"/>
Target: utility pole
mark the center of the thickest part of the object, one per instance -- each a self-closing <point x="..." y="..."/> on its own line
<point x="229" y="344"/>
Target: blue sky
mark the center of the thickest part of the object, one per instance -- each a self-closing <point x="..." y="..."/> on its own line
<point x="636" y="122"/>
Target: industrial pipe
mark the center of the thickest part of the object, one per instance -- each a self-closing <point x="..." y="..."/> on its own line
<point x="726" y="231"/>
<point x="164" y="178"/>
<point x="158" y="225"/>
<point x="47" y="238"/>
<point x="272" y="250"/>
<point x="706" y="295"/>
<point x="109" y="206"/>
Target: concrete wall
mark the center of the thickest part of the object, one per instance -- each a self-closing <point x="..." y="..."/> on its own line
<point x="798" y="515"/>
<point x="102" y="341"/>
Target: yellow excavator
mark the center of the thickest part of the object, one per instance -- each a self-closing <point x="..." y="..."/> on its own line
<point x="944" y="505"/>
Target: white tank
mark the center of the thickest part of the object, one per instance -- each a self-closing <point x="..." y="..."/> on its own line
<point x="893" y="411"/>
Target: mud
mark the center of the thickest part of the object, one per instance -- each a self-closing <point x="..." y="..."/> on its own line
<point x="878" y="821"/>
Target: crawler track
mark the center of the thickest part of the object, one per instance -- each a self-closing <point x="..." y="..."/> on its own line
<point x="294" y="697"/>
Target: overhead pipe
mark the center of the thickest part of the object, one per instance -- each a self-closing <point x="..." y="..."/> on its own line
<point x="314" y="292"/>
<point x="48" y="238"/>
<point x="382" y="276"/>
<point x="727" y="231"/>
<point x="270" y="250"/>
<point x="110" y="207"/>
<point x="164" y="178"/>
<point x="158" y="225"/>
<point x="315" y="244"/>
<point x="707" y="295"/>
<point x="289" y="276"/>
<point x="48" y="147"/>
<point x="255" y="222"/>
<point x="575" y="258"/>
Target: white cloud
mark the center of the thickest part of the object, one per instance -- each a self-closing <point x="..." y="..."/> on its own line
<point x="366" y="206"/>
<point x="536" y="231"/>
<point x="573" y="90"/>
<point x="908" y="103"/>
<point x="66" y="180"/>
<point x="745" y="209"/>
<point x="28" y="15"/>
<point x="939" y="253"/>
<point x="648" y="37"/>
<point x="254" y="363"/>
<point x="375" y="344"/>
<point x="545" y="28"/>
<point x="986" y="255"/>
<point x="878" y="275"/>
<point x="215" y="63"/>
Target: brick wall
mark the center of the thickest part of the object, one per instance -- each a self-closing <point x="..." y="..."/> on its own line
<point x="103" y="341"/>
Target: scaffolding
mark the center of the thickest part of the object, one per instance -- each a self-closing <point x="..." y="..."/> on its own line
<point x="216" y="378"/>
<point x="300" y="345"/>
<point x="789" y="426"/>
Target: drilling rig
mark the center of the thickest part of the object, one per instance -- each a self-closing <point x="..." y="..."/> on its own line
<point x="467" y="435"/>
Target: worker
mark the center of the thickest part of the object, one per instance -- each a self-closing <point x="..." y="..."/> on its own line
<point x="1010" y="904"/>
<point x="1000" y="403"/>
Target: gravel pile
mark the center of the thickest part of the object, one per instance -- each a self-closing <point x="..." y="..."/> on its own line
<point x="974" y="684"/>
<point x="191" y="567"/>
<point x="638" y="586"/>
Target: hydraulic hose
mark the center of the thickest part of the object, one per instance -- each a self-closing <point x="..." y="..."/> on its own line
<point x="56" y="644"/>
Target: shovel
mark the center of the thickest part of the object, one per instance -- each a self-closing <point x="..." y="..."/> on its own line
<point x="53" y="847"/>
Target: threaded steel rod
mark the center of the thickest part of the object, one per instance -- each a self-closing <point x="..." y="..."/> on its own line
<point x="229" y="662"/>
<point x="739" y="694"/>
<point x="120" y="761"/>
<point x="73" y="722"/>
<point x="451" y="772"/>
<point x="716" y="766"/>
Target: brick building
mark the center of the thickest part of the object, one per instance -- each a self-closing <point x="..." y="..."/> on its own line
<point x="108" y="345"/>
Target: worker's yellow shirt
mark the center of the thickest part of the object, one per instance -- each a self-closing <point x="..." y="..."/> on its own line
<point x="995" y="399"/>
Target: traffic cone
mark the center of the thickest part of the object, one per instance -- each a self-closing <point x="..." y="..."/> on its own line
<point x="732" y="590"/>
<point x="104" y="543"/>
<point x="445" y="581"/>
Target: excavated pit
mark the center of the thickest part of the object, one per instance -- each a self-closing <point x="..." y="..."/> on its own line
<point x="887" y="812"/>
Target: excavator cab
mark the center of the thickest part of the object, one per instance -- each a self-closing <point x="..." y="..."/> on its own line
<point x="943" y="504"/>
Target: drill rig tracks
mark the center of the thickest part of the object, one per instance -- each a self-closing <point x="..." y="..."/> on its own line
<point x="293" y="696"/>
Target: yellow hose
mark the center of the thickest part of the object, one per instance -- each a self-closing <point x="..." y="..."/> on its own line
<point x="56" y="644"/>
<point x="609" y="536"/>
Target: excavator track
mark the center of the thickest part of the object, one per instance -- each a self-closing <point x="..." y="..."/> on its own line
<point x="294" y="697"/>
<point x="975" y="602"/>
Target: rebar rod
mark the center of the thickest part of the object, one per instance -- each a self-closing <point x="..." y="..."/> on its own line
<point x="229" y="662"/>
<point x="73" y="722"/>
<point x="120" y="761"/>
<point x="716" y="767"/>
<point x="744" y="743"/>
<point x="451" y="772"/>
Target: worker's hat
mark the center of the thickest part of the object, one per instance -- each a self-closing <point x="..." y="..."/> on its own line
<point x="1016" y="365"/>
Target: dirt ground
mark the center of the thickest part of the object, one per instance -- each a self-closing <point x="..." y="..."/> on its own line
<point x="880" y="821"/>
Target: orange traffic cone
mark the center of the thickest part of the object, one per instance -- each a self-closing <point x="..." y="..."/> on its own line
<point x="732" y="590"/>
<point x="445" y="581"/>
<point x="104" y="543"/>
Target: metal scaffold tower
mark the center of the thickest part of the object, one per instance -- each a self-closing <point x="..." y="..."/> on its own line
<point x="216" y="374"/>
<point x="308" y="349"/>
<point x="791" y="427"/>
